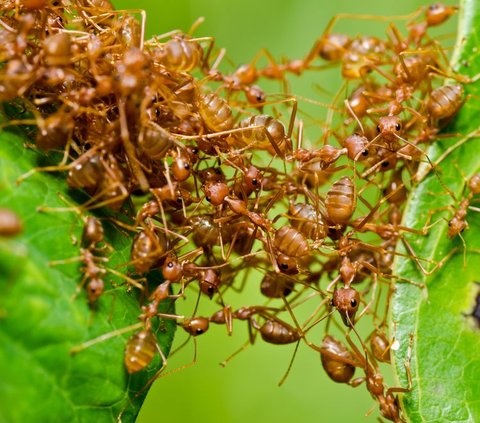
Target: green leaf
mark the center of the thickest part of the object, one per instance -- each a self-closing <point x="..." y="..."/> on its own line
<point x="444" y="359"/>
<point x="40" y="380"/>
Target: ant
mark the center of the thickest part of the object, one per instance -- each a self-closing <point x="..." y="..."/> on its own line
<point x="93" y="270"/>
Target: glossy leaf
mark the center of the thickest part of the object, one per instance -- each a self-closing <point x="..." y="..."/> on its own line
<point x="444" y="359"/>
<point x="40" y="320"/>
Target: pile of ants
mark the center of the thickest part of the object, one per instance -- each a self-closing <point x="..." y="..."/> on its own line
<point x="203" y="173"/>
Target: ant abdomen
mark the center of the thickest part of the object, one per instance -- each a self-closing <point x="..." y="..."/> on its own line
<point x="274" y="285"/>
<point x="332" y="354"/>
<point x="254" y="133"/>
<point x="279" y="333"/>
<point x="139" y="351"/>
<point x="445" y="101"/>
<point x="179" y="54"/>
<point x="155" y="141"/>
<point x="291" y="242"/>
<point x="308" y="221"/>
<point x="341" y="201"/>
<point x="215" y="112"/>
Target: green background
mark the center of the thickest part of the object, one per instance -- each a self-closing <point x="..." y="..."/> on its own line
<point x="246" y="390"/>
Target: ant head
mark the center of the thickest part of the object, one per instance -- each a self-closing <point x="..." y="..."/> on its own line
<point x="196" y="325"/>
<point x="211" y="174"/>
<point x="287" y="265"/>
<point x="346" y="301"/>
<point x="356" y="146"/>
<point x="456" y="226"/>
<point x="255" y="95"/>
<point x="387" y="160"/>
<point x="209" y="282"/>
<point x="172" y="270"/>
<point x="388" y="127"/>
<point x="438" y="13"/>
<point x="253" y="178"/>
<point x="216" y="192"/>
<point x="95" y="288"/>
<point x="181" y="168"/>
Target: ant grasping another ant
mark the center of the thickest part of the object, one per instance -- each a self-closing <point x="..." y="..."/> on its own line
<point x="262" y="132"/>
<point x="340" y="363"/>
<point x="458" y="223"/>
<point x="392" y="231"/>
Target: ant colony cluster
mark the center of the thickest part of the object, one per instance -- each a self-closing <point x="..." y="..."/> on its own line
<point x="211" y="182"/>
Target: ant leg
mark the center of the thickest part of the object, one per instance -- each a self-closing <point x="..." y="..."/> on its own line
<point x="472" y="135"/>
<point x="231" y="356"/>
<point x="316" y="48"/>
<point x="407" y="370"/>
<point x="178" y="369"/>
<point x="78" y="348"/>
<point x="130" y="149"/>
<point x="419" y="264"/>
<point x="157" y="375"/>
<point x="129" y="280"/>
<point x="284" y="377"/>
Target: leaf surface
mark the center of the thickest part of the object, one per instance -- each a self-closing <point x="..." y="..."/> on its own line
<point x="444" y="358"/>
<point x="40" y="320"/>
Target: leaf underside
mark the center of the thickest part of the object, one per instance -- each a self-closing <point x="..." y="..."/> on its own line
<point x="40" y="321"/>
<point x="444" y="359"/>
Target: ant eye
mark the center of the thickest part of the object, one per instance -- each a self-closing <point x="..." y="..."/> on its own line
<point x="365" y="153"/>
<point x="332" y="304"/>
<point x="378" y="128"/>
<point x="353" y="303"/>
<point x="398" y="127"/>
<point x="218" y="171"/>
<point x="284" y="266"/>
<point x="187" y="166"/>
<point x="254" y="182"/>
<point x="385" y="164"/>
<point x="208" y="199"/>
<point x="170" y="264"/>
<point x="179" y="200"/>
<point x="211" y="289"/>
<point x="198" y="331"/>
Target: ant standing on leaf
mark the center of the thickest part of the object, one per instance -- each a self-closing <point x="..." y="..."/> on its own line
<point x="93" y="244"/>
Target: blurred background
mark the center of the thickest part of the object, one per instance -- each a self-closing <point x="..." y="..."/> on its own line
<point x="246" y="389"/>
